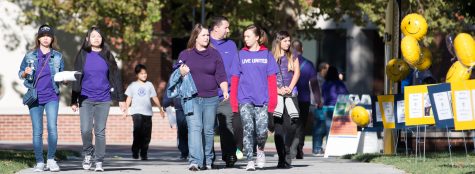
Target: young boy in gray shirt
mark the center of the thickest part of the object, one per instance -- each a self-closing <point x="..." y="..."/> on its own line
<point x="139" y="94"/>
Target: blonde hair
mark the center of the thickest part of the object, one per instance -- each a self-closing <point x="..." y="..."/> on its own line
<point x="279" y="36"/>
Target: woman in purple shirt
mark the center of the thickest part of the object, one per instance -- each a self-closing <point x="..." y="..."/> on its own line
<point x="206" y="67"/>
<point x="93" y="92"/>
<point x="331" y="88"/>
<point x="38" y="68"/>
<point x="286" y="113"/>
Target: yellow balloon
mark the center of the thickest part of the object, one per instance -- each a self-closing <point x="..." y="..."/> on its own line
<point x="414" y="25"/>
<point x="360" y="116"/>
<point x="458" y="72"/>
<point x="410" y="50"/>
<point x="426" y="60"/>
<point x="397" y="69"/>
<point x="465" y="49"/>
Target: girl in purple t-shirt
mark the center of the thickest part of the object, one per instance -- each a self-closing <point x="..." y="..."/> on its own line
<point x="92" y="94"/>
<point x="286" y="113"/>
<point x="254" y="91"/>
<point x="38" y="68"/>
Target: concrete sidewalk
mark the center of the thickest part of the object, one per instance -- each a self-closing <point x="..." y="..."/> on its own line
<point x="165" y="160"/>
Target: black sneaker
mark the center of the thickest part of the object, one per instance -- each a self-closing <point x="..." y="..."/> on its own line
<point x="299" y="155"/>
<point x="144" y="158"/>
<point x="135" y="155"/>
<point x="231" y="160"/>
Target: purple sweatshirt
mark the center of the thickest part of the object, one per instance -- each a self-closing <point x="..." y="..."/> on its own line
<point x="206" y="68"/>
<point x="95" y="82"/>
<point x="331" y="90"/>
<point x="44" y="86"/>
<point x="307" y="71"/>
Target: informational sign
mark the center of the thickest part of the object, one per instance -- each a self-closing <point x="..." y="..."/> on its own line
<point x="418" y="107"/>
<point x="399" y="111"/>
<point x="344" y="135"/>
<point x="441" y="99"/>
<point x="386" y="105"/>
<point x="463" y="97"/>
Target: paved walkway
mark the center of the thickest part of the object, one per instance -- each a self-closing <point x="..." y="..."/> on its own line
<point x="164" y="160"/>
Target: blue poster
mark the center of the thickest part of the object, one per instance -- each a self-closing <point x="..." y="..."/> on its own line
<point x="440" y="96"/>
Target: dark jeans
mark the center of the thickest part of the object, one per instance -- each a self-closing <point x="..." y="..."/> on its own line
<point x="226" y="130"/>
<point x="182" y="129"/>
<point x="285" y="129"/>
<point x="300" y="130"/>
<point x="142" y="134"/>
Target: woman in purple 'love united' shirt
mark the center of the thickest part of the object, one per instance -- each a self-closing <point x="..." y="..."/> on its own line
<point x="206" y="67"/>
<point x="37" y="69"/>
<point x="93" y="92"/>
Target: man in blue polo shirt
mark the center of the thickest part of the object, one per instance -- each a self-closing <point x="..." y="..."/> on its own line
<point x="230" y="136"/>
<point x="307" y="71"/>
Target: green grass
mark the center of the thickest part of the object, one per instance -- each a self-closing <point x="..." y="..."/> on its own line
<point x="434" y="163"/>
<point x="12" y="161"/>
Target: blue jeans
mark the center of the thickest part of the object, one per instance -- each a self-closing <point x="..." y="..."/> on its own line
<point x="36" y="114"/>
<point x="321" y="126"/>
<point x="200" y="124"/>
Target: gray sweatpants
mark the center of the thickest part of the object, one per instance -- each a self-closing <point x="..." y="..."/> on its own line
<point x="254" y="121"/>
<point x="94" y="114"/>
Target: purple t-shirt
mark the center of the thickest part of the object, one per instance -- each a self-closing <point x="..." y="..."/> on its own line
<point x="307" y="71"/>
<point x="253" y="69"/>
<point x="95" y="81"/>
<point x="284" y="78"/>
<point x="331" y="90"/>
<point x="206" y="68"/>
<point x="44" y="86"/>
<point x="228" y="51"/>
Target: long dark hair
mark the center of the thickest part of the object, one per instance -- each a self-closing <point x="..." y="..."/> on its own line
<point x="86" y="44"/>
<point x="258" y="31"/>
<point x="332" y="74"/>
<point x="194" y="34"/>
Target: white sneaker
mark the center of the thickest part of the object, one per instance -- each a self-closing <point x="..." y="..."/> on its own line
<point x="99" y="167"/>
<point x="86" y="163"/>
<point x="250" y="166"/>
<point x="239" y="154"/>
<point x="52" y="166"/>
<point x="261" y="159"/>
<point x="39" y="167"/>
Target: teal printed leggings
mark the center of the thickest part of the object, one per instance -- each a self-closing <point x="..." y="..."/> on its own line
<point x="249" y="115"/>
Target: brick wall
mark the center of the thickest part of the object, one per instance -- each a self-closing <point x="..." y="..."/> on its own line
<point x="17" y="128"/>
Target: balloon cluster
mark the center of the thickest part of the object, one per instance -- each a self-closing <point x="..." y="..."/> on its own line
<point x="464" y="47"/>
<point x="414" y="28"/>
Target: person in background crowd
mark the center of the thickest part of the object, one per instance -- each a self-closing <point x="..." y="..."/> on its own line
<point x="181" y="126"/>
<point x="37" y="69"/>
<point x="139" y="94"/>
<point x="319" y="127"/>
<point x="307" y="71"/>
<point x="331" y="88"/>
<point x="93" y="92"/>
